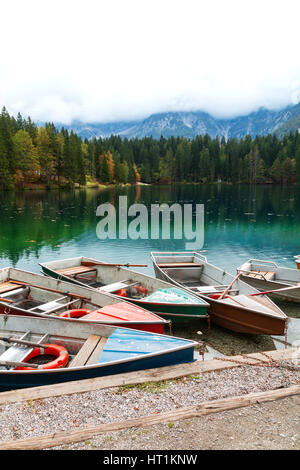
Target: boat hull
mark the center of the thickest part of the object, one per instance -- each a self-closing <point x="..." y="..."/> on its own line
<point x="292" y="295"/>
<point x="235" y="318"/>
<point x="169" y="311"/>
<point x="242" y="320"/>
<point x="125" y="350"/>
<point x="125" y="315"/>
<point x="146" y="326"/>
<point x="35" y="379"/>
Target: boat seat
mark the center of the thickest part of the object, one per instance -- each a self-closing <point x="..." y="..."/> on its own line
<point x="75" y="270"/>
<point x="8" y="286"/>
<point x="90" y="352"/>
<point x="114" y="286"/>
<point x="18" y="352"/>
<point x="117" y="286"/>
<point x="268" y="275"/>
<point x="179" y="265"/>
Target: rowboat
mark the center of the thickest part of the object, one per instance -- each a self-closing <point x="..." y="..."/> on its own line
<point x="233" y="304"/>
<point x="25" y="293"/>
<point x="145" y="291"/>
<point x="42" y="351"/>
<point x="268" y="276"/>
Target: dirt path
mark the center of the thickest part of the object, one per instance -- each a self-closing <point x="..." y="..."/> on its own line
<point x="269" y="426"/>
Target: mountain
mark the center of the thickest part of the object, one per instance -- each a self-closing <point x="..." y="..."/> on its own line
<point x="189" y="124"/>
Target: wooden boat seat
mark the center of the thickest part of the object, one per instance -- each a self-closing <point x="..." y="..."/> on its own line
<point x="75" y="270"/>
<point x="90" y="352"/>
<point x="8" y="286"/>
<point x="268" y="275"/>
<point x="179" y="265"/>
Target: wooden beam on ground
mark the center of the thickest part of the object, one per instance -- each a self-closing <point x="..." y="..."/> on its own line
<point x="204" y="408"/>
<point x="142" y="376"/>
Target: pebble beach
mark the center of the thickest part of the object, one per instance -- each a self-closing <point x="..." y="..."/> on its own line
<point x="43" y="417"/>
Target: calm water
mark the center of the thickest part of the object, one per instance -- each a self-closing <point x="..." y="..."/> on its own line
<point x="241" y="222"/>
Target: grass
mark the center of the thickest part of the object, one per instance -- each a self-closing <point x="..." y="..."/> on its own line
<point x="156" y="387"/>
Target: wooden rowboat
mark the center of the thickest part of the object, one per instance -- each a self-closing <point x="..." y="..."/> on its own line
<point x="154" y="295"/>
<point x="25" y="293"/>
<point x="268" y="276"/>
<point x="241" y="310"/>
<point x="87" y="350"/>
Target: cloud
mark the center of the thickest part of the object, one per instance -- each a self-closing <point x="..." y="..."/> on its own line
<point x="106" y="61"/>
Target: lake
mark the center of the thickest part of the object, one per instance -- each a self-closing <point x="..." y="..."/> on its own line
<point x="240" y="222"/>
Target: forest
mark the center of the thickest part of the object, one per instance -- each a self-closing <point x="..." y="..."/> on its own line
<point x="33" y="155"/>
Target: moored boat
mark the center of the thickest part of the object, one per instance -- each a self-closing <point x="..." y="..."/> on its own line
<point x="42" y="351"/>
<point x="155" y="295"/>
<point x="233" y="304"/>
<point x="26" y="293"/>
<point x="297" y="261"/>
<point x="268" y="276"/>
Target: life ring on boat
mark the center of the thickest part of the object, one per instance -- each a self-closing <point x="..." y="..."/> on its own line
<point x="121" y="292"/>
<point x="60" y="352"/>
<point x="142" y="289"/>
<point x="76" y="313"/>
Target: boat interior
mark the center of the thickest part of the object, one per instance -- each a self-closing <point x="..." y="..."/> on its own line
<point x="38" y="300"/>
<point x="111" y="280"/>
<point x="195" y="273"/>
<point x="270" y="271"/>
<point x="81" y="352"/>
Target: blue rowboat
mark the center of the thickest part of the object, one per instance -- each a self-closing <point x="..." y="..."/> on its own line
<point x="89" y="351"/>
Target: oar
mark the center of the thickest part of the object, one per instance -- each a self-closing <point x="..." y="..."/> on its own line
<point x="275" y="290"/>
<point x="52" y="290"/>
<point x="22" y="341"/>
<point x="230" y="286"/>
<point x="18" y="364"/>
<point x="127" y="265"/>
<point x="6" y="300"/>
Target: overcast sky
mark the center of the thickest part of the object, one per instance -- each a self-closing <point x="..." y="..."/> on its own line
<point x="109" y="60"/>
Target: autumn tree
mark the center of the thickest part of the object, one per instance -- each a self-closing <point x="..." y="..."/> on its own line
<point x="27" y="166"/>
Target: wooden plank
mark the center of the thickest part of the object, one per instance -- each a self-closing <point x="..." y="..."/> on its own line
<point x="95" y="356"/>
<point x="75" y="270"/>
<point x="270" y="275"/>
<point x="179" y="265"/>
<point x="201" y="409"/>
<point x="258" y="274"/>
<point x="8" y="286"/>
<point x="142" y="376"/>
<point x="85" y="351"/>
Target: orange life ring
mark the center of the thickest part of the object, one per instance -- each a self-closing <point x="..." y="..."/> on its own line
<point x="121" y="292"/>
<point x="76" y="313"/>
<point x="142" y="289"/>
<point x="60" y="352"/>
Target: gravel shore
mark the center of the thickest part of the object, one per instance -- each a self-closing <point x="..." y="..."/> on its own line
<point x="65" y="413"/>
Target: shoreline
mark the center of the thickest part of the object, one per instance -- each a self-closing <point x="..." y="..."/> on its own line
<point x="113" y="417"/>
<point x="98" y="185"/>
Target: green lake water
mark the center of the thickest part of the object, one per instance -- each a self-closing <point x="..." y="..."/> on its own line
<point x="240" y="222"/>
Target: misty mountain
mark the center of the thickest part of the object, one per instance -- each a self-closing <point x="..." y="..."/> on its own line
<point x="189" y="124"/>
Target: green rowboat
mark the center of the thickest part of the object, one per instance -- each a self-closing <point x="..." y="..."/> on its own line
<point x="155" y="295"/>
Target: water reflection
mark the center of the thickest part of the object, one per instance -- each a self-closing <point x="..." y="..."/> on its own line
<point x="240" y="222"/>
